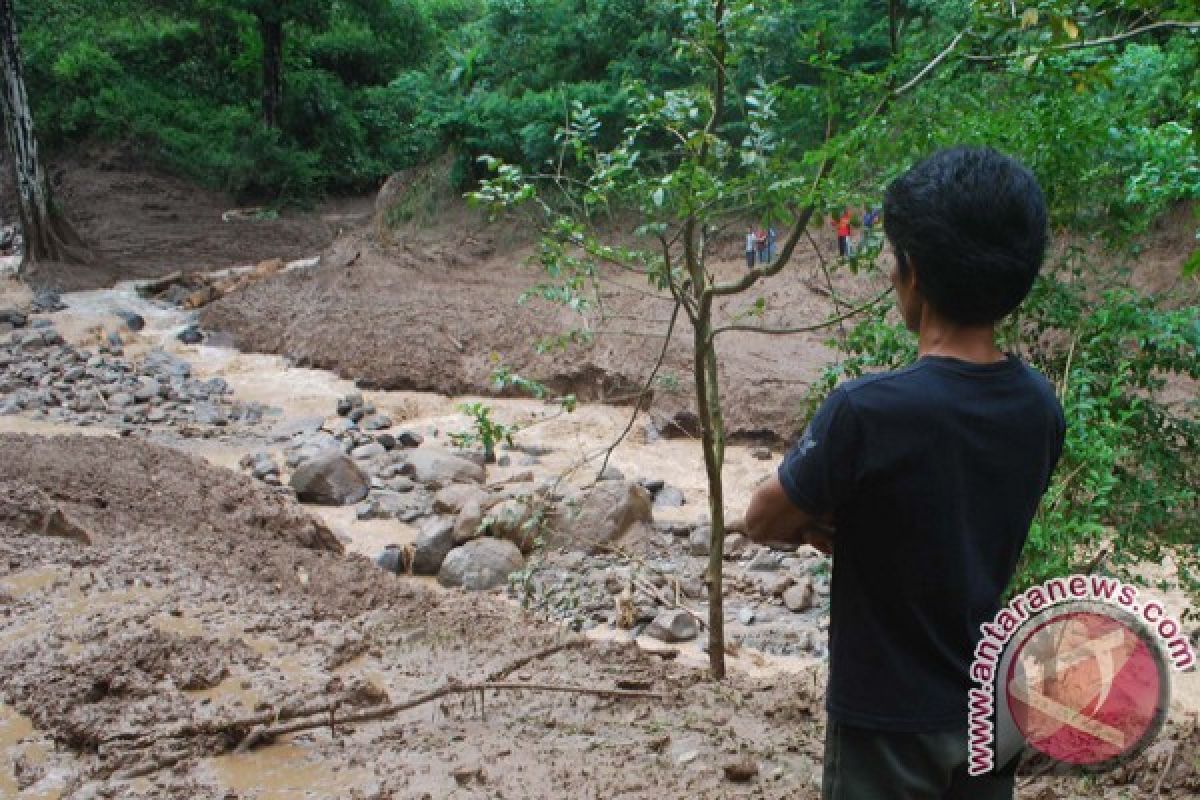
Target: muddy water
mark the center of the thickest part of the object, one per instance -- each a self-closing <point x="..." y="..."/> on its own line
<point x="567" y="439"/>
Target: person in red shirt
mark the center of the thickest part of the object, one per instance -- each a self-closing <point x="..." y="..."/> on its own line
<point x="842" y="225"/>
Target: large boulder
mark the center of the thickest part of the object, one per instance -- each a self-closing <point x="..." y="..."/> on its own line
<point x="434" y="541"/>
<point x="673" y="626"/>
<point x="453" y="498"/>
<point x="514" y="520"/>
<point x="481" y="564"/>
<point x="330" y="479"/>
<point x="600" y="516"/>
<point x="432" y="465"/>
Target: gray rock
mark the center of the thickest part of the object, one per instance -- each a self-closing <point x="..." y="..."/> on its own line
<point x="286" y="429"/>
<point x="209" y="414"/>
<point x="120" y="400"/>
<point x="761" y="453"/>
<point x="480" y="564"/>
<point x="331" y="479"/>
<point x="147" y="389"/>
<point x="611" y="473"/>
<point x="392" y="559"/>
<point x="800" y="597"/>
<point x="669" y="497"/>
<point x="348" y="403"/>
<point x="434" y="541"/>
<point x="191" y="335"/>
<point x="434" y="465"/>
<point x="386" y="504"/>
<point x="735" y="545"/>
<point x="746" y="616"/>
<point x="600" y="516"/>
<point x="13" y="317"/>
<point x="386" y="439"/>
<point x="133" y="321"/>
<point x="453" y="498"/>
<point x="513" y="520"/>
<point x="468" y="523"/>
<point x="773" y="584"/>
<point x="765" y="560"/>
<point x="673" y="626"/>
<point x="376" y="423"/>
<point x="699" y="541"/>
<point x="409" y="439"/>
<point x="368" y="451"/>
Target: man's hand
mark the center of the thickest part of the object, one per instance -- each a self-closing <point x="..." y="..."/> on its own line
<point x="773" y="517"/>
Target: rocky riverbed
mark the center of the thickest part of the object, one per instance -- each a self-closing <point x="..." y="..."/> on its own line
<point x="240" y="536"/>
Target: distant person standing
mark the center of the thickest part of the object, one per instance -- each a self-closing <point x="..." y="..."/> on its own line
<point x="869" y="220"/>
<point x="771" y="236"/>
<point x="751" y="247"/>
<point x="842" y="226"/>
<point x="760" y="244"/>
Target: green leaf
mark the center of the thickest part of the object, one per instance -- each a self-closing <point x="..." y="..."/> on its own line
<point x="1191" y="267"/>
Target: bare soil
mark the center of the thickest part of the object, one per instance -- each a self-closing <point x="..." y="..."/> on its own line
<point x="140" y="224"/>
<point x="201" y="597"/>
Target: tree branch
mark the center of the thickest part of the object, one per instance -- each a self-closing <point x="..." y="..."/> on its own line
<point x="806" y="328"/>
<point x="1119" y="37"/>
<point x="931" y="66"/>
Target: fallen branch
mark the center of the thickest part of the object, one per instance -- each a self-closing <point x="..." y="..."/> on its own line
<point x="452" y="689"/>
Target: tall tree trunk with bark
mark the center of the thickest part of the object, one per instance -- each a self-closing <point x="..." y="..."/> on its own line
<point x="271" y="31"/>
<point x="48" y="236"/>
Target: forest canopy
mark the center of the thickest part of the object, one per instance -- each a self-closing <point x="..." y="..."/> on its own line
<point x="367" y="87"/>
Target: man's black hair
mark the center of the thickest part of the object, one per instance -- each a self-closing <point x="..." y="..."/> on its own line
<point x="973" y="223"/>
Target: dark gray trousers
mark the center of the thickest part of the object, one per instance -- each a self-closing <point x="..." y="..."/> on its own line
<point x="864" y="764"/>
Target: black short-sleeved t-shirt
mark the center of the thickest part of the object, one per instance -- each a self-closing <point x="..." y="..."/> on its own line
<point x="932" y="474"/>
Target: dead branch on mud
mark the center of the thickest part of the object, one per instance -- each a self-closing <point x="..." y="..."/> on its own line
<point x="247" y="732"/>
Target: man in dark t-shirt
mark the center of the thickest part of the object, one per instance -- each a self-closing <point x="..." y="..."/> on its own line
<point x="923" y="482"/>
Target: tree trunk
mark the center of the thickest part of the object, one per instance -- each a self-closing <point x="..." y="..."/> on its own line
<point x="48" y="236"/>
<point x="272" y="44"/>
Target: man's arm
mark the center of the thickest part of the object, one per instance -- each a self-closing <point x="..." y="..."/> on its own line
<point x="773" y="517"/>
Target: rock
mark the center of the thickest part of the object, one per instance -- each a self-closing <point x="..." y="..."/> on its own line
<point x="611" y="473"/>
<point x="673" y="626"/>
<point x="681" y="424"/>
<point x="367" y="451"/>
<point x="190" y="335"/>
<point x="761" y="453"/>
<point x="468" y="523"/>
<point x="392" y="559"/>
<point x="13" y="317"/>
<point x="735" y="545"/>
<point x="386" y="504"/>
<point x="434" y="541"/>
<point x="148" y="389"/>
<point x="330" y="479"/>
<point x="601" y="516"/>
<point x="288" y="428"/>
<point x="765" y="560"/>
<point x="513" y="520"/>
<point x="504" y="461"/>
<point x="386" y="439"/>
<point x="774" y="584"/>
<point x="741" y="771"/>
<point x="652" y="486"/>
<point x="451" y="499"/>
<point x="408" y="439"/>
<point x="348" y="403"/>
<point x="434" y="465"/>
<point x="46" y="301"/>
<point x="133" y="321"/>
<point x="209" y="414"/>
<point x="120" y="400"/>
<point x="800" y="597"/>
<point x="376" y="422"/>
<point x="746" y="616"/>
<point x="480" y="564"/>
<point x="669" y="497"/>
<point x="699" y="541"/>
